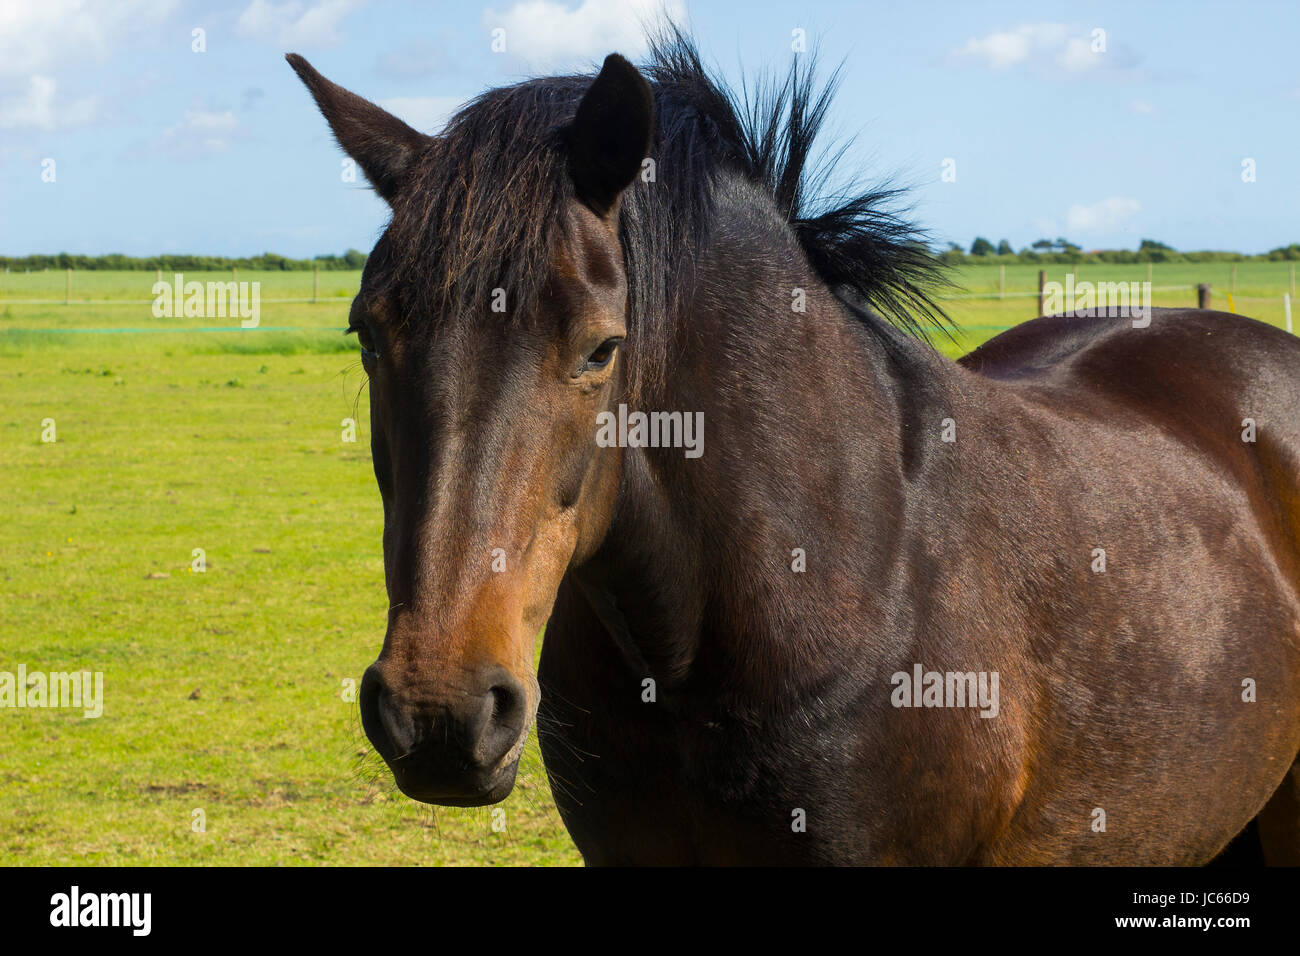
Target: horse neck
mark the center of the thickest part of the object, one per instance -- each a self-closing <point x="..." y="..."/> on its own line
<point x="739" y="566"/>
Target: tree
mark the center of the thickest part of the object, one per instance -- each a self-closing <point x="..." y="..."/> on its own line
<point x="1149" y="250"/>
<point x="981" y="247"/>
<point x="953" y="254"/>
<point x="1004" y="248"/>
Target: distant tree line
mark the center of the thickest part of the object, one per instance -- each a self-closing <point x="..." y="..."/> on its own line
<point x="267" y="261"/>
<point x="983" y="252"/>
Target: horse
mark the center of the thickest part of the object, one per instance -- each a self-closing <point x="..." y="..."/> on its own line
<point x="1038" y="606"/>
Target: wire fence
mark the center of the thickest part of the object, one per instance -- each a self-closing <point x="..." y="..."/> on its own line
<point x="338" y="297"/>
<point x="1034" y="293"/>
<point x="3" y="301"/>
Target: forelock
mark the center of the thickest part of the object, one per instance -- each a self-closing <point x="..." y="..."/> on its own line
<point x="484" y="205"/>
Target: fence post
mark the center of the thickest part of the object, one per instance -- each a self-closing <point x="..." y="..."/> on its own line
<point x="315" y="283"/>
<point x="1002" y="281"/>
<point x="1203" y="295"/>
<point x="1286" y="305"/>
<point x="1232" y="283"/>
<point x="1293" y="280"/>
<point x="67" y="290"/>
<point x="1042" y="295"/>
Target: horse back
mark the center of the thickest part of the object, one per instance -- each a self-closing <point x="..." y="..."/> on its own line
<point x="1225" y="385"/>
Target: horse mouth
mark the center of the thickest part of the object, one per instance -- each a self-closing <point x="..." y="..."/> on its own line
<point x="474" y="790"/>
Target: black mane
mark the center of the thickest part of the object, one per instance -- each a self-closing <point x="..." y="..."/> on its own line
<point x="487" y="197"/>
<point x="868" y="255"/>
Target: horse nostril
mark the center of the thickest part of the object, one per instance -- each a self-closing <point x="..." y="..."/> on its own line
<point x="508" y="704"/>
<point x="372" y="700"/>
<point x="505" y="709"/>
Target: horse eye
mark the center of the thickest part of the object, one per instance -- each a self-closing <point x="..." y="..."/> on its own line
<point x="366" y="341"/>
<point x="603" y="355"/>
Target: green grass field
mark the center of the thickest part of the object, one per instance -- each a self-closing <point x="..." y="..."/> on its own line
<point x="224" y="690"/>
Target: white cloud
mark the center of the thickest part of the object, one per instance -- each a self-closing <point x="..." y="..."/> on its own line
<point x="38" y="39"/>
<point x="547" y="32"/>
<point x="1107" y="215"/>
<point x="1055" y="47"/>
<point x="34" y="36"/>
<point x="1142" y="108"/>
<point x="998" y="50"/>
<point x="1078" y="56"/>
<point x="295" y="23"/>
<point x="1004" y="49"/>
<point x="38" y="105"/>
<point x="200" y="133"/>
<point x="428" y="114"/>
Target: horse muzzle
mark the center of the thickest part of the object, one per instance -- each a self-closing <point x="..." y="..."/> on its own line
<point x="460" y="751"/>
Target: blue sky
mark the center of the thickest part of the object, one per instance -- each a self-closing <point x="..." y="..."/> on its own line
<point x="158" y="148"/>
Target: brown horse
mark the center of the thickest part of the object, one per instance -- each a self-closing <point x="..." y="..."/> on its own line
<point x="1039" y="606"/>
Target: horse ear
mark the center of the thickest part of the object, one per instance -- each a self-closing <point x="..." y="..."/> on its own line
<point x="383" y="146"/>
<point x="610" y="135"/>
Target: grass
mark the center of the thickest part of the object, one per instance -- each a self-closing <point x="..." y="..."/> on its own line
<point x="1259" y="287"/>
<point x="224" y="690"/>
